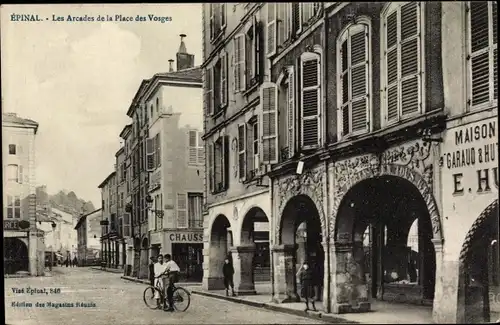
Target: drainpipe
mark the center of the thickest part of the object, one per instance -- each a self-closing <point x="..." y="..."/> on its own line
<point x="271" y="238"/>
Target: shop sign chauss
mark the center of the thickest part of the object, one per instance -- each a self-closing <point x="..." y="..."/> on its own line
<point x="185" y="237"/>
<point x="470" y="154"/>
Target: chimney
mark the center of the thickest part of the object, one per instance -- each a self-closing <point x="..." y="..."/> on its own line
<point x="170" y="65"/>
<point x="184" y="59"/>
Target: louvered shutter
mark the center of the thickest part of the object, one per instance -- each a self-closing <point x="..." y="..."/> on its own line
<point x="211" y="168"/>
<point x="212" y="20"/>
<point x="310" y="100"/>
<point x="345" y="117"/>
<point x="483" y="51"/>
<point x="181" y="210"/>
<point x="158" y="150"/>
<point x="392" y="67"/>
<point x="359" y="80"/>
<point x="239" y="63"/>
<point x="269" y="123"/>
<point x="209" y="93"/>
<point x="150" y="150"/>
<point x="193" y="148"/>
<point x="201" y="150"/>
<point x="410" y="58"/>
<point x="291" y="113"/>
<point x="297" y="18"/>
<point x="223" y="79"/>
<point x="225" y="162"/>
<point x="271" y="29"/>
<point x="21" y="174"/>
<point x="155" y="158"/>
<point x="281" y="21"/>
<point x="242" y="144"/>
<point x="218" y="164"/>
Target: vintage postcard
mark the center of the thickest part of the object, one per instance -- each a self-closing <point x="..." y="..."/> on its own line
<point x="250" y="163"/>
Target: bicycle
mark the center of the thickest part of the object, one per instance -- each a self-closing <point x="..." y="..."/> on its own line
<point x="180" y="296"/>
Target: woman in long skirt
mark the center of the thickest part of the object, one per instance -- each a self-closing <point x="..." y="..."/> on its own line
<point x="306" y="276"/>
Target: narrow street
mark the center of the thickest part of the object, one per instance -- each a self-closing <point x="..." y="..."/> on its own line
<point x="112" y="300"/>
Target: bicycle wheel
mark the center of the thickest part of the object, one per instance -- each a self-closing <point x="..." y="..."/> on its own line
<point x="182" y="299"/>
<point x="149" y="297"/>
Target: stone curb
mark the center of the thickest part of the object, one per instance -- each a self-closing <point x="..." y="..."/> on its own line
<point x="143" y="281"/>
<point x="286" y="310"/>
<point x="117" y="271"/>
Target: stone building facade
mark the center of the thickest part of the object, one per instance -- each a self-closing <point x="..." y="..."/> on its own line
<point x="236" y="188"/>
<point x="380" y="109"/>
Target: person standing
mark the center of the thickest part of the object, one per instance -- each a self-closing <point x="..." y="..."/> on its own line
<point x="152" y="271"/>
<point x="173" y="277"/>
<point x="228" y="272"/>
<point x="159" y="277"/>
<point x="75" y="262"/>
<point x="306" y="276"/>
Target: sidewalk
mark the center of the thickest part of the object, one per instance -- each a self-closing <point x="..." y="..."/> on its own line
<point x="382" y="312"/>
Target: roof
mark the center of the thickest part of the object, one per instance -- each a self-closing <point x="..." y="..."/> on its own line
<point x="106" y="180"/>
<point x="125" y="131"/>
<point x="82" y="218"/>
<point x="13" y="118"/>
<point x="186" y="75"/>
<point x="144" y="84"/>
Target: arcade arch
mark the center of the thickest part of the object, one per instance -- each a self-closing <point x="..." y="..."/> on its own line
<point x="15" y="254"/>
<point x="376" y="219"/>
<point x="219" y="248"/>
<point x="479" y="282"/>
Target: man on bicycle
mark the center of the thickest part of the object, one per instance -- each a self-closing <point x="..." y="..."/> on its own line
<point x="160" y="271"/>
<point x="172" y="269"/>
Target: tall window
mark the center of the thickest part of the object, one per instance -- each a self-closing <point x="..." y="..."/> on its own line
<point x="195" y="203"/>
<point x="196" y="151"/>
<point x="217" y="16"/>
<point x="216" y="92"/>
<point x="482" y="53"/>
<point x="12" y="149"/>
<point x="310" y="100"/>
<point x="403" y="61"/>
<point x="269" y="123"/>
<point x="15" y="173"/>
<point x="286" y="83"/>
<point x="218" y="165"/>
<point x="353" y="80"/>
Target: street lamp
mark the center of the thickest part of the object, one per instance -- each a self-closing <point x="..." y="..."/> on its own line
<point x="52" y="247"/>
<point x="149" y="202"/>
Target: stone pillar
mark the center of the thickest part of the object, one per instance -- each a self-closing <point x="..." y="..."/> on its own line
<point x="32" y="252"/>
<point x="326" y="277"/>
<point x="214" y="253"/>
<point x="446" y="306"/>
<point x="348" y="288"/>
<point x="284" y="273"/>
<point x="243" y="269"/>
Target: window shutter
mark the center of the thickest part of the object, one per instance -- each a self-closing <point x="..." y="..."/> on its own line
<point x="212" y="21"/>
<point x="150" y="150"/>
<point x="297" y="17"/>
<point x="21" y="175"/>
<point x="271" y="29"/>
<point x="392" y="67"/>
<point x="155" y="159"/>
<point x="225" y="162"/>
<point x="269" y="123"/>
<point x="222" y="15"/>
<point x="239" y="63"/>
<point x="483" y="51"/>
<point x="209" y="75"/>
<point x="410" y="58"/>
<point x="223" y="79"/>
<point x="310" y="100"/>
<point x="181" y="210"/>
<point x="211" y="172"/>
<point x="345" y="121"/>
<point x="242" y="139"/>
<point x="359" y="80"/>
<point x="281" y="21"/>
<point x="307" y="10"/>
<point x="218" y="163"/>
<point x="291" y="113"/>
<point x="201" y="150"/>
<point x="259" y="50"/>
<point x="158" y="150"/>
<point x="193" y="148"/>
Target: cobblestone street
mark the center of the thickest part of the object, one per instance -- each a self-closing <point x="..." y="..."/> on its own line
<point x="120" y="302"/>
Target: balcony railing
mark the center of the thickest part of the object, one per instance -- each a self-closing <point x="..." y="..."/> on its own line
<point x="195" y="223"/>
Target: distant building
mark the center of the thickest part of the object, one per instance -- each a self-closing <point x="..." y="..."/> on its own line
<point x="109" y="223"/>
<point x="88" y="231"/>
<point x="23" y="248"/>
